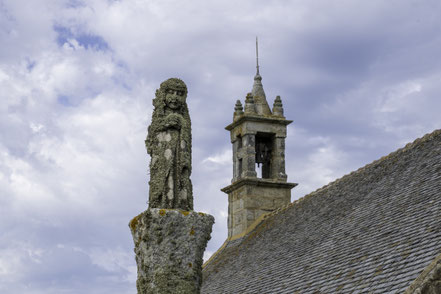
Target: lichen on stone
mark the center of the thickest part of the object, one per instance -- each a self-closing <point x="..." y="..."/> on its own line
<point x="169" y="145"/>
<point x="133" y="223"/>
<point x="168" y="251"/>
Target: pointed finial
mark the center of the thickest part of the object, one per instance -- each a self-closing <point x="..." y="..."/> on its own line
<point x="238" y="109"/>
<point x="257" y="57"/>
<point x="278" y="107"/>
<point x="249" y="104"/>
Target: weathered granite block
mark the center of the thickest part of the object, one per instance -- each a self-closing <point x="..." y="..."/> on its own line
<point x="169" y="246"/>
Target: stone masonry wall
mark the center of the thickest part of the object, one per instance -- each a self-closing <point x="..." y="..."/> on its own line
<point x="249" y="202"/>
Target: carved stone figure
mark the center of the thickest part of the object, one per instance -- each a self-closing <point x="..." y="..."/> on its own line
<point x="169" y="145"/>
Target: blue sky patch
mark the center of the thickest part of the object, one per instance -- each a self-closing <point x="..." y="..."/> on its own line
<point x="30" y="64"/>
<point x="87" y="41"/>
<point x="75" y="3"/>
<point x="64" y="100"/>
<point x="359" y="80"/>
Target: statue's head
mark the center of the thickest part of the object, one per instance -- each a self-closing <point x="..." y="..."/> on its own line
<point x="174" y="92"/>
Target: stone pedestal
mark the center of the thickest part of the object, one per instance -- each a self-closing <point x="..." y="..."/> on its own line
<point x="169" y="247"/>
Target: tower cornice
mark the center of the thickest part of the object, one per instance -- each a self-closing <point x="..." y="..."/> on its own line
<point x="258" y="118"/>
<point x="270" y="183"/>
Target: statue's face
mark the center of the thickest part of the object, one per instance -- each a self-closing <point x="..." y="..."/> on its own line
<point x="174" y="99"/>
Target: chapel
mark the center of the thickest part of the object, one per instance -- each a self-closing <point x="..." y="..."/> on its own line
<point x="375" y="230"/>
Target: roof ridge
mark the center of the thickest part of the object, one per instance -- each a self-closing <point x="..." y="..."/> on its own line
<point x="408" y="146"/>
<point x="263" y="218"/>
<point x="353" y="233"/>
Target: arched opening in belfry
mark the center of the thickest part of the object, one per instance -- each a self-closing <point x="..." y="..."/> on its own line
<point x="264" y="147"/>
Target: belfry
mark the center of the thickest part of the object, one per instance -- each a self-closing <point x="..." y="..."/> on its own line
<point x="258" y="137"/>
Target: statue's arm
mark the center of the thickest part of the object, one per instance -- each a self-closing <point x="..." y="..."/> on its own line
<point x="150" y="140"/>
<point x="173" y="121"/>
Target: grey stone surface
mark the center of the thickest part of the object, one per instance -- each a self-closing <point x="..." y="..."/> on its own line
<point x="374" y="230"/>
<point x="278" y="107"/>
<point x="249" y="104"/>
<point x="169" y="145"/>
<point x="250" y="198"/>
<point x="258" y="138"/>
<point x="169" y="247"/>
<point x="169" y="237"/>
<point x="238" y="109"/>
<point x="260" y="103"/>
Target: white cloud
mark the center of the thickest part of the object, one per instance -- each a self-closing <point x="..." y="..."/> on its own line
<point x="115" y="260"/>
<point x="394" y="99"/>
<point x="207" y="255"/>
<point x="223" y="158"/>
<point x="76" y="83"/>
<point x="36" y="127"/>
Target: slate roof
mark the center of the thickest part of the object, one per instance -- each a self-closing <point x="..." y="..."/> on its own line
<point x="374" y="230"/>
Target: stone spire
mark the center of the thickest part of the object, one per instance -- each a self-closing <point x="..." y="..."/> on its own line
<point x="261" y="105"/>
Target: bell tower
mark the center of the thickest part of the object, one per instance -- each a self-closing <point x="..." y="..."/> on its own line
<point x="259" y="183"/>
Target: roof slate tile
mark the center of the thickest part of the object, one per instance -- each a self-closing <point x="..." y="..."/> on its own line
<point x="372" y="231"/>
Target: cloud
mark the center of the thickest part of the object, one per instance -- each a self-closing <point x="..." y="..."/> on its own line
<point x="223" y="158"/>
<point x="66" y="36"/>
<point x="76" y="82"/>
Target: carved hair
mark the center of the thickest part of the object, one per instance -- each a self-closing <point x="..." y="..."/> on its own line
<point x="159" y="101"/>
<point x="159" y="112"/>
<point x="182" y="166"/>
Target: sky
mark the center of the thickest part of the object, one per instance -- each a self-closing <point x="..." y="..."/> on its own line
<point x="359" y="79"/>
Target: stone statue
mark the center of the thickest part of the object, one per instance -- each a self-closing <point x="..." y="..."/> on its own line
<point x="169" y="145"/>
<point x="169" y="242"/>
